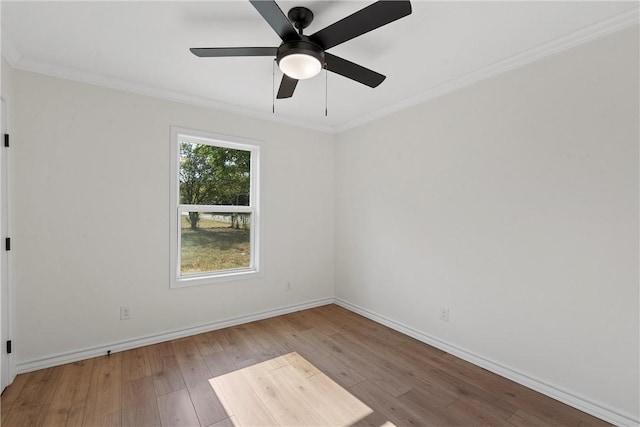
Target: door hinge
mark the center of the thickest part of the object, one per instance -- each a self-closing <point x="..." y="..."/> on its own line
<point x="9" y="347"/>
<point x="6" y="139"/>
<point x="7" y="243"/>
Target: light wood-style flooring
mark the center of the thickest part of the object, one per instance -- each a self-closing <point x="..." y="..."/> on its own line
<point x="323" y="366"/>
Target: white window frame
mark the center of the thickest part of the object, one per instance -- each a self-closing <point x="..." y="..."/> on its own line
<point x="199" y="137"/>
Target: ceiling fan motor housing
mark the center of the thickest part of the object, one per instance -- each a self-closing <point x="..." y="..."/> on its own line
<point x="304" y="47"/>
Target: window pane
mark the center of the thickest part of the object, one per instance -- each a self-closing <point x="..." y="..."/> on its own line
<point x="214" y="175"/>
<point x="213" y="241"/>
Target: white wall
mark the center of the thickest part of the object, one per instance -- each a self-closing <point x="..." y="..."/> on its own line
<point x="514" y="202"/>
<point x="92" y="234"/>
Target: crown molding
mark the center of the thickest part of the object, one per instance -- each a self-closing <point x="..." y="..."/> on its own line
<point x="140" y="89"/>
<point x="576" y="38"/>
<point x="584" y="35"/>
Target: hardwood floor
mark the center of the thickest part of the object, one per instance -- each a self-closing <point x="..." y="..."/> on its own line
<point x="324" y="366"/>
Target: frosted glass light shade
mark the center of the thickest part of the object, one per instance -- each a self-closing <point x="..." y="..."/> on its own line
<point x="300" y="66"/>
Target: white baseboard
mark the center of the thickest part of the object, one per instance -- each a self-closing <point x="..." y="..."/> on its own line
<point x="114" y="347"/>
<point x="571" y="399"/>
<point x="578" y="402"/>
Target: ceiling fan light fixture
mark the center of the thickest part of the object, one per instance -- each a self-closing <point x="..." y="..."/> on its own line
<point x="300" y="59"/>
<point x="300" y="66"/>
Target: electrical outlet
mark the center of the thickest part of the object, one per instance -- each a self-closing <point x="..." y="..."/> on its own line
<point x="125" y="313"/>
<point x="287" y="287"/>
<point x="444" y="314"/>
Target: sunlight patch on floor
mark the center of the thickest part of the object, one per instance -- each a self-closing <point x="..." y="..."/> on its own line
<point x="287" y="391"/>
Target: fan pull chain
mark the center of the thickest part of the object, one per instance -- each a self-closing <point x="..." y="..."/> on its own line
<point x="326" y="90"/>
<point x="273" y="87"/>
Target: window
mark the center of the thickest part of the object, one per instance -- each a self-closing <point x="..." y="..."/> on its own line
<point x="214" y="202"/>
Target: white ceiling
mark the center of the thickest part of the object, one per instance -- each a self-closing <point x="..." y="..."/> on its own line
<point x="142" y="46"/>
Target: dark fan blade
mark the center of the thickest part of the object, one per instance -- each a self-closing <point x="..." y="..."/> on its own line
<point x="287" y="86"/>
<point x="274" y="16"/>
<point x="208" y="52"/>
<point x="371" y="17"/>
<point x="353" y="71"/>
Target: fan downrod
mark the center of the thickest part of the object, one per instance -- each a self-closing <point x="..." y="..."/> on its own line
<point x="301" y="17"/>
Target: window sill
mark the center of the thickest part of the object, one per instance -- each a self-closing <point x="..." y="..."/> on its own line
<point x="208" y="279"/>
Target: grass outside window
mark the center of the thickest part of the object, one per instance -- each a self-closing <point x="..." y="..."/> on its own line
<point x="216" y="244"/>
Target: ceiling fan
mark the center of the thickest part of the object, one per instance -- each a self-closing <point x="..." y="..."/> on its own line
<point x="300" y="56"/>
